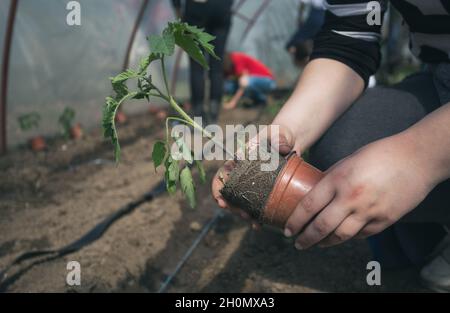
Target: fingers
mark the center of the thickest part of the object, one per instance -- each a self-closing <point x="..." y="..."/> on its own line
<point x="311" y="204"/>
<point x="373" y="227"/>
<point x="218" y="182"/>
<point x="280" y="139"/>
<point x="348" y="229"/>
<point x="323" y="225"/>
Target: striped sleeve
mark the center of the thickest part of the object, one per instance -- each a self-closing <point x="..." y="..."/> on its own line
<point x="351" y="35"/>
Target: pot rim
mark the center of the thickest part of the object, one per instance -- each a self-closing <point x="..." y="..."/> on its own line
<point x="293" y="160"/>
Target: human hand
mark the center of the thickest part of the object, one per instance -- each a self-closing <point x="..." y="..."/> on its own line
<point x="230" y="105"/>
<point x="362" y="195"/>
<point x="244" y="81"/>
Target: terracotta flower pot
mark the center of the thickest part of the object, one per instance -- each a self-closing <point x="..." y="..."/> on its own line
<point x="294" y="181"/>
<point x="76" y="132"/>
<point x="38" y="143"/>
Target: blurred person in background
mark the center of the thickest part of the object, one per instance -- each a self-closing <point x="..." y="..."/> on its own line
<point x="246" y="77"/>
<point x="300" y="44"/>
<point x="215" y="17"/>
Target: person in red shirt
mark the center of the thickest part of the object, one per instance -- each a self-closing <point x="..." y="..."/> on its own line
<point x="248" y="77"/>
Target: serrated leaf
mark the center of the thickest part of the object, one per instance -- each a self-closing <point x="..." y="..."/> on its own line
<point x="124" y="76"/>
<point x="172" y="174"/>
<point x="187" y="186"/>
<point x="201" y="171"/>
<point x="140" y="95"/>
<point x="108" y="121"/>
<point x="188" y="44"/>
<point x="119" y="83"/>
<point x="184" y="149"/>
<point x="158" y="153"/>
<point x="29" y="120"/>
<point x="108" y="124"/>
<point x="203" y="38"/>
<point x="174" y="171"/>
<point x="164" y="44"/>
<point x="192" y="40"/>
<point x="146" y="61"/>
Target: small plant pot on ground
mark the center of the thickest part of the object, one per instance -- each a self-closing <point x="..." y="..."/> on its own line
<point x="271" y="196"/>
<point x="38" y="143"/>
<point x="76" y="132"/>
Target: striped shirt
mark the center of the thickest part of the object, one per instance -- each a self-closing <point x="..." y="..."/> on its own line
<point x="351" y="32"/>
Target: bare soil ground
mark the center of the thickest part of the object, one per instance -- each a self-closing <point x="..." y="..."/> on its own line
<point x="49" y="199"/>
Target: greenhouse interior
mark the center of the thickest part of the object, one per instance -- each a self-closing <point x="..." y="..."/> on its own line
<point x="135" y="218"/>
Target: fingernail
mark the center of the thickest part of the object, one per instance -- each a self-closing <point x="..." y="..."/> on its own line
<point x="298" y="246"/>
<point x="287" y="232"/>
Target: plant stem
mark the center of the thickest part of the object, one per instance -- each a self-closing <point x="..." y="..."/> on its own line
<point x="194" y="124"/>
<point x="163" y="67"/>
<point x="171" y="118"/>
<point x="185" y="117"/>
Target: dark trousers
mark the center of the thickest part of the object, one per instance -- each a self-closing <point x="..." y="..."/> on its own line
<point x="215" y="18"/>
<point x="381" y="112"/>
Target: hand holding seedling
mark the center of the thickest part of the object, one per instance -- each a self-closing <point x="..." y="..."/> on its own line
<point x="195" y="43"/>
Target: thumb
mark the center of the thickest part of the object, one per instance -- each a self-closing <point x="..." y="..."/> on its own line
<point x="281" y="139"/>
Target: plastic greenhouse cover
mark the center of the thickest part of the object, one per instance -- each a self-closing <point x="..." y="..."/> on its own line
<point x="54" y="65"/>
<point x="267" y="38"/>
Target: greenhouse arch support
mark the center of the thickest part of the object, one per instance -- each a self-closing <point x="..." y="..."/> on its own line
<point x="4" y="73"/>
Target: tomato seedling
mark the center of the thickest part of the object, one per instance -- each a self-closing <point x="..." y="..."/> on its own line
<point x="197" y="44"/>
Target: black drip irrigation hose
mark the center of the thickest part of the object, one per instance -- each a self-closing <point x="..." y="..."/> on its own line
<point x="95" y="233"/>
<point x="165" y="284"/>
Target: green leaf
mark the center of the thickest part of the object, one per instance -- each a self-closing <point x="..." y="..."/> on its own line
<point x="145" y="62"/>
<point x="124" y="76"/>
<point x="201" y="171"/>
<point x="203" y="38"/>
<point x="164" y="44"/>
<point x="172" y="174"/>
<point x="140" y="95"/>
<point x="192" y="40"/>
<point x="108" y="124"/>
<point x="184" y="149"/>
<point x="118" y="83"/>
<point x="187" y="186"/>
<point x="66" y="120"/>
<point x="188" y="44"/>
<point x="29" y="120"/>
<point x="158" y="153"/>
<point x="174" y="171"/>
